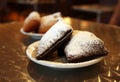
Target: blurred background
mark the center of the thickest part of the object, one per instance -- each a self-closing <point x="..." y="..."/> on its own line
<point x="92" y="10"/>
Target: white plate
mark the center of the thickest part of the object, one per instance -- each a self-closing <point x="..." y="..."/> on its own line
<point x="31" y="34"/>
<point x="32" y="47"/>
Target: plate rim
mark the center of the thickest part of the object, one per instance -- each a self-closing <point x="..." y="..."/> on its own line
<point x="29" y="33"/>
<point x="59" y="64"/>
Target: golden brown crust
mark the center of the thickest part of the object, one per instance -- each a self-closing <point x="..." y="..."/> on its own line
<point x="32" y="25"/>
<point x="48" y="21"/>
<point x="46" y="24"/>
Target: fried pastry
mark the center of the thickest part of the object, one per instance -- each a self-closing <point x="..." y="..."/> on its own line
<point x="83" y="46"/>
<point x="53" y="38"/>
<point x="48" y="21"/>
<point x="32" y="22"/>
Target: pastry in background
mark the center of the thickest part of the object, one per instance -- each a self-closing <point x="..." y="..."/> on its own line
<point x="48" y="21"/>
<point x="53" y="38"/>
<point x="32" y="22"/>
<point x="84" y="46"/>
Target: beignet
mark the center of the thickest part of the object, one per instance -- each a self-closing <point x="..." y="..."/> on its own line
<point x="84" y="46"/>
<point x="32" y="22"/>
<point x="53" y="38"/>
<point x="48" y="21"/>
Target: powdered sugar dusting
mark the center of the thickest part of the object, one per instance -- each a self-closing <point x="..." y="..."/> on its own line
<point x="84" y="43"/>
<point x="52" y="35"/>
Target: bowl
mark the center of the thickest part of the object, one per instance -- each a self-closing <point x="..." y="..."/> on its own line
<point x="32" y="34"/>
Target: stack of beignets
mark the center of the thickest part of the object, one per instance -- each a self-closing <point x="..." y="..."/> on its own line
<point x="81" y="45"/>
<point x="35" y="23"/>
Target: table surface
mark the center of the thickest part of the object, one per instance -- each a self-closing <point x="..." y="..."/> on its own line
<point x="16" y="67"/>
<point x="95" y="8"/>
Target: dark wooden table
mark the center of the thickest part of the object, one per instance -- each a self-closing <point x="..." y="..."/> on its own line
<point x="16" y="67"/>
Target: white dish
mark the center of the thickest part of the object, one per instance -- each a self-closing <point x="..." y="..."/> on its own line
<point x="31" y="34"/>
<point x="32" y="47"/>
